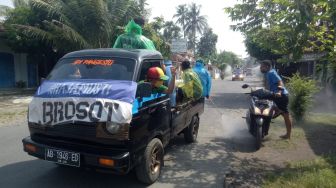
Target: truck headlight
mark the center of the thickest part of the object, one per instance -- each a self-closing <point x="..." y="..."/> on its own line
<point x="240" y="76"/>
<point x="113" y="127"/>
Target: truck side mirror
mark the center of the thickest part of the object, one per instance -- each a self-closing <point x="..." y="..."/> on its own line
<point x="42" y="80"/>
<point x="144" y="90"/>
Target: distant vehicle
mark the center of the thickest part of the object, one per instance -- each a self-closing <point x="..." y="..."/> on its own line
<point x="238" y="74"/>
<point x="249" y="72"/>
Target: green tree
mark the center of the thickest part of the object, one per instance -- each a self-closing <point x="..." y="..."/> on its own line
<point x="298" y="26"/>
<point x="74" y="24"/>
<point x="158" y="24"/>
<point x="181" y="15"/>
<point x="254" y="46"/>
<point x="228" y="58"/>
<point x="196" y="23"/>
<point x="171" y="31"/>
<point x="160" y="43"/>
<point x="207" y="45"/>
<point x="51" y="28"/>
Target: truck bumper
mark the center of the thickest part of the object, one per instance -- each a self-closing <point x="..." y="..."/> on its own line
<point x="121" y="160"/>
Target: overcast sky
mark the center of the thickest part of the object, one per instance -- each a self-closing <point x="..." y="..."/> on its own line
<point x="228" y="40"/>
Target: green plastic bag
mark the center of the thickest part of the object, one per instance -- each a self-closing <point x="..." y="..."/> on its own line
<point x="192" y="87"/>
<point x="133" y="38"/>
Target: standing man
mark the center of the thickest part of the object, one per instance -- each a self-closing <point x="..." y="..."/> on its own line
<point x="133" y="38"/>
<point x="275" y="84"/>
<point x="204" y="76"/>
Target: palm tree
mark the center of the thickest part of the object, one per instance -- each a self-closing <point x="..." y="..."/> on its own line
<point x="195" y="23"/>
<point x="181" y="15"/>
<point x="171" y="31"/>
<point x="77" y="24"/>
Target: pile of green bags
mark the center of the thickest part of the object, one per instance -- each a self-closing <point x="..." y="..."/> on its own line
<point x="133" y="38"/>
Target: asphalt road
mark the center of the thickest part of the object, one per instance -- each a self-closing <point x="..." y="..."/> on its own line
<point x="203" y="164"/>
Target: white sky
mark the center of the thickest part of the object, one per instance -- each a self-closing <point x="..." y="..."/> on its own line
<point x="228" y="40"/>
<point x="220" y="22"/>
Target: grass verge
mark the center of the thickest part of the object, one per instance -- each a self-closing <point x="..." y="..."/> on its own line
<point x="320" y="172"/>
<point x="319" y="130"/>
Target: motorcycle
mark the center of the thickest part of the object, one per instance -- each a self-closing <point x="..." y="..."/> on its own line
<point x="222" y="75"/>
<point x="260" y="113"/>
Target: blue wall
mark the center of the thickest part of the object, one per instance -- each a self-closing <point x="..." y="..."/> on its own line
<point x="7" y="71"/>
<point x="32" y="74"/>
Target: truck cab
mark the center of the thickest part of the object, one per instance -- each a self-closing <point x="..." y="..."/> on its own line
<point x="90" y="112"/>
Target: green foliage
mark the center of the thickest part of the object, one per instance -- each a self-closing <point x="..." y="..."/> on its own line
<point x="288" y="28"/>
<point x="207" y="45"/>
<point x="158" y="24"/>
<point x="256" y="50"/>
<point x="21" y="84"/>
<point x="301" y="90"/>
<point x="286" y="23"/>
<point x="171" y="31"/>
<point x="161" y="45"/>
<point x="228" y="58"/>
<point x="71" y="25"/>
<point x="320" y="172"/>
<point x="181" y="15"/>
<point x="47" y="29"/>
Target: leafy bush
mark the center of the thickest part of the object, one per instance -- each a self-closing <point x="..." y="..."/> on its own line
<point x="302" y="90"/>
<point x="21" y="84"/>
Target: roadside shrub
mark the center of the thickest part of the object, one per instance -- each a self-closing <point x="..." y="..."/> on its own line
<point x="21" y="84"/>
<point x="301" y="90"/>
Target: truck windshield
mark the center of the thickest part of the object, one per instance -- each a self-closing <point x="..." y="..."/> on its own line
<point x="93" y="68"/>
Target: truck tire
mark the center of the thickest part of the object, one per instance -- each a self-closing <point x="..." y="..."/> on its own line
<point x="150" y="168"/>
<point x="191" y="132"/>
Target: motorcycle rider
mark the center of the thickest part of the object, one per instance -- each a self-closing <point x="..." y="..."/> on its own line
<point x="275" y="84"/>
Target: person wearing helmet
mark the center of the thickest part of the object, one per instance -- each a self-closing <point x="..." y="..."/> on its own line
<point x="156" y="77"/>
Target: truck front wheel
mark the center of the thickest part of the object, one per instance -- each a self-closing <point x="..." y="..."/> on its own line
<point x="191" y="132"/>
<point x="149" y="170"/>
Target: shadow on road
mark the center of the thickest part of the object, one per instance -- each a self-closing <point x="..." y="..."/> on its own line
<point x="38" y="173"/>
<point x="210" y="164"/>
<point x="321" y="137"/>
